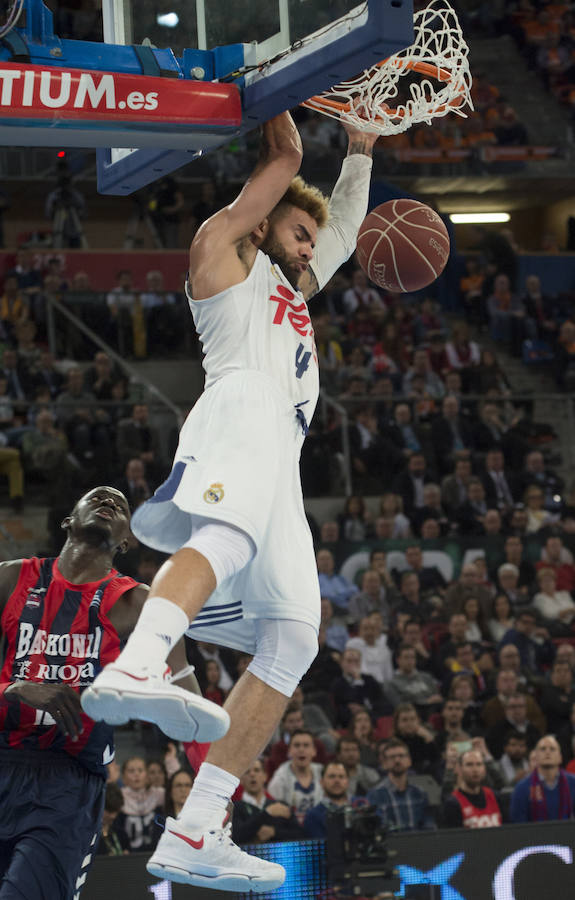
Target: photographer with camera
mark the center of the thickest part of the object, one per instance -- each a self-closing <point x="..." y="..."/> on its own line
<point x="65" y="207"/>
<point x="400" y="805"/>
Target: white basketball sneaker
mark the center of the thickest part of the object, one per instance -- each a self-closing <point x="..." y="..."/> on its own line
<point x="121" y="693"/>
<point x="209" y="858"/>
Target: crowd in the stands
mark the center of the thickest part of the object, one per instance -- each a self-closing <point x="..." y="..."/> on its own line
<point x="72" y="418"/>
<point x="442" y="700"/>
<point x="492" y="123"/>
<point x="443" y="692"/>
<point x="545" y="33"/>
<point x="420" y="390"/>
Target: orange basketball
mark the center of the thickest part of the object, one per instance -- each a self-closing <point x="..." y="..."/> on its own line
<point x="402" y="245"/>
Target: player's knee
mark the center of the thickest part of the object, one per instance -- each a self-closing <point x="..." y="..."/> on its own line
<point x="307" y="647"/>
<point x="285" y="650"/>
<point x="226" y="548"/>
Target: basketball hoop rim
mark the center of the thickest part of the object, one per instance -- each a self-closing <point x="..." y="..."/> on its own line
<point x="432" y="70"/>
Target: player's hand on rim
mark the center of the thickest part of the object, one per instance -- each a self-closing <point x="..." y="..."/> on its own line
<point x="368" y="136"/>
<point x="59" y="700"/>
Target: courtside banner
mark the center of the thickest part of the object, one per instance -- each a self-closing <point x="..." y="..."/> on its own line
<point x="512" y="862"/>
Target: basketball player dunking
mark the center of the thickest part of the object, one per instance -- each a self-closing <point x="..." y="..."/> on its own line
<point x="62" y="619"/>
<point x="242" y="573"/>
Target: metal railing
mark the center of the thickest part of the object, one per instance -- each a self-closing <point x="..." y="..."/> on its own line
<point x="125" y="328"/>
<point x="327" y="403"/>
<point x="166" y="413"/>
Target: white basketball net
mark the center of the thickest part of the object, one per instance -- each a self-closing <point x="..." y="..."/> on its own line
<point x="439" y="52"/>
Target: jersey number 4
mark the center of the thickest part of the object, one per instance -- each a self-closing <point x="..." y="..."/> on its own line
<point x="301" y="361"/>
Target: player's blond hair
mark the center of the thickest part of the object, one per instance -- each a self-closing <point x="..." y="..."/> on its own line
<point x="306" y="197"/>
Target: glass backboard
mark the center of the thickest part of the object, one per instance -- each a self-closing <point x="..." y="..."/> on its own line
<point x="287" y="51"/>
<point x="273" y="25"/>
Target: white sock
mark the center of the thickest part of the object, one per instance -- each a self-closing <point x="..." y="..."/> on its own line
<point x="160" y="626"/>
<point x="208" y="800"/>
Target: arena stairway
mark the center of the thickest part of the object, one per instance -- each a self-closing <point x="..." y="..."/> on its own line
<point x="25" y="533"/>
<point x="182" y="380"/>
<point x="538" y="382"/>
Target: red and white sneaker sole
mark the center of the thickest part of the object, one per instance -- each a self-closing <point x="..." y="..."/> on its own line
<point x="182" y="716"/>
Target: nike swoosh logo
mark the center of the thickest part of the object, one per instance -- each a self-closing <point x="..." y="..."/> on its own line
<point x="135" y="677"/>
<point x="197" y="845"/>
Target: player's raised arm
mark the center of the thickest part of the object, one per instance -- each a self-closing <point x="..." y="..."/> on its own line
<point x="280" y="159"/>
<point x="347" y="210"/>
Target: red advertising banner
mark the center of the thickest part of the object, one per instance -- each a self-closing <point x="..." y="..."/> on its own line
<point x="74" y="95"/>
<point x="102" y="266"/>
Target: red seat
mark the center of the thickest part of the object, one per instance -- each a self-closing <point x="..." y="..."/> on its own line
<point x="383" y="727"/>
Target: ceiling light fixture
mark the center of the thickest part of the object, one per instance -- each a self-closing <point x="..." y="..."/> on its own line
<point x="479" y="218"/>
<point x="168" y="20"/>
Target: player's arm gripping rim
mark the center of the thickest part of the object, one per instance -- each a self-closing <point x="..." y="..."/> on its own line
<point x="221" y="253"/>
<point x="347" y="210"/>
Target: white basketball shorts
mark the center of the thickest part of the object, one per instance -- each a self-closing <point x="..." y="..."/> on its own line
<point x="238" y="462"/>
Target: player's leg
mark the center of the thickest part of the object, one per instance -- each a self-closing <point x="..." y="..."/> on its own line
<point x="6" y="852"/>
<point x="134" y="686"/>
<point x="196" y="848"/>
<point x="30" y="874"/>
<point x="255" y="709"/>
<point x="55" y="809"/>
<point x="38" y="869"/>
<point x="284" y="652"/>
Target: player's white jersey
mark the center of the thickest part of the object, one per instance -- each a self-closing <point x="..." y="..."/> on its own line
<point x="238" y="456"/>
<point x="261" y="323"/>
